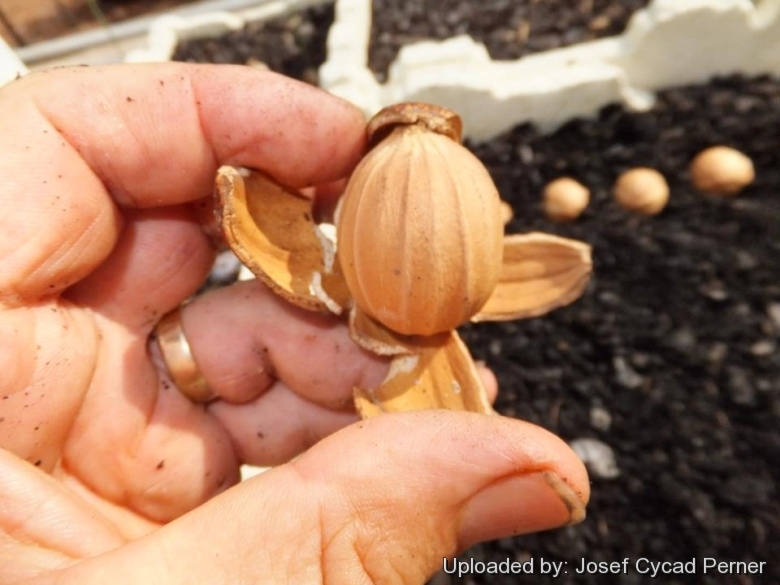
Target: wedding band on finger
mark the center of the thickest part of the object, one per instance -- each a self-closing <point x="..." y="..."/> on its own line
<point x="177" y="355"/>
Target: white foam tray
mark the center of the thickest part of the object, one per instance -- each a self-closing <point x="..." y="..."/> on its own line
<point x="671" y="42"/>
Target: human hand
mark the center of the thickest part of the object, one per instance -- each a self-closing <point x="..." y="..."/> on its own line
<point x="107" y="472"/>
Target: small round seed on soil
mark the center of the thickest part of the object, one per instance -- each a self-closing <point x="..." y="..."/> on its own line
<point x="507" y="213"/>
<point x="642" y="190"/>
<point x="565" y="199"/>
<point x="721" y="170"/>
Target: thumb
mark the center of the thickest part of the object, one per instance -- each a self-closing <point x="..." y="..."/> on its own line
<point x="381" y="501"/>
<point x="400" y="492"/>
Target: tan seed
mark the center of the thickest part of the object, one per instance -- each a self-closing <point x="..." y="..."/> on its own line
<point x="507" y="213"/>
<point x="420" y="230"/>
<point x="642" y="190"/>
<point x="721" y="170"/>
<point x="565" y="199"/>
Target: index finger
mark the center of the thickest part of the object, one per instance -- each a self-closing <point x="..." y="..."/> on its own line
<point x="76" y="141"/>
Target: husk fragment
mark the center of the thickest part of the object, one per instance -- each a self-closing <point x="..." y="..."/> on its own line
<point x="376" y="338"/>
<point x="271" y="230"/>
<point x="540" y="272"/>
<point x="441" y="374"/>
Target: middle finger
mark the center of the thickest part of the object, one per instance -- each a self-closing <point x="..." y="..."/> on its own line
<point x="244" y="338"/>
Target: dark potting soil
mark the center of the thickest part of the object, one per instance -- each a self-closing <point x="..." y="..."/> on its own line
<point x="293" y="44"/>
<point x="509" y="29"/>
<point x="676" y="341"/>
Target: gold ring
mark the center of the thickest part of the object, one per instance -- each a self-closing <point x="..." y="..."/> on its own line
<point x="178" y="358"/>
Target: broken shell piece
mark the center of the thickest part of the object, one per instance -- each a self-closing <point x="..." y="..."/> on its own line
<point x="271" y="230"/>
<point x="540" y="272"/>
<point x="441" y="374"/>
<point x="431" y="117"/>
<point x="376" y="338"/>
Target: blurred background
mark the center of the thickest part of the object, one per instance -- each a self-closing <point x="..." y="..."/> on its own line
<point x="24" y="23"/>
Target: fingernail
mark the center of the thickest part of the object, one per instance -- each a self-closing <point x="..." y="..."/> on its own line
<point x="520" y="504"/>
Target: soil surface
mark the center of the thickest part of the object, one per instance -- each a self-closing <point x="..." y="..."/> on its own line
<point x="294" y="44"/>
<point x="671" y="358"/>
<point x="509" y="29"/>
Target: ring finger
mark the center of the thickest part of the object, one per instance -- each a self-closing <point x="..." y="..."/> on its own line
<point x="280" y="377"/>
<point x="244" y="338"/>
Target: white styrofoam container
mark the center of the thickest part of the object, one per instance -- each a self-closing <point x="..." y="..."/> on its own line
<point x="671" y="42"/>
